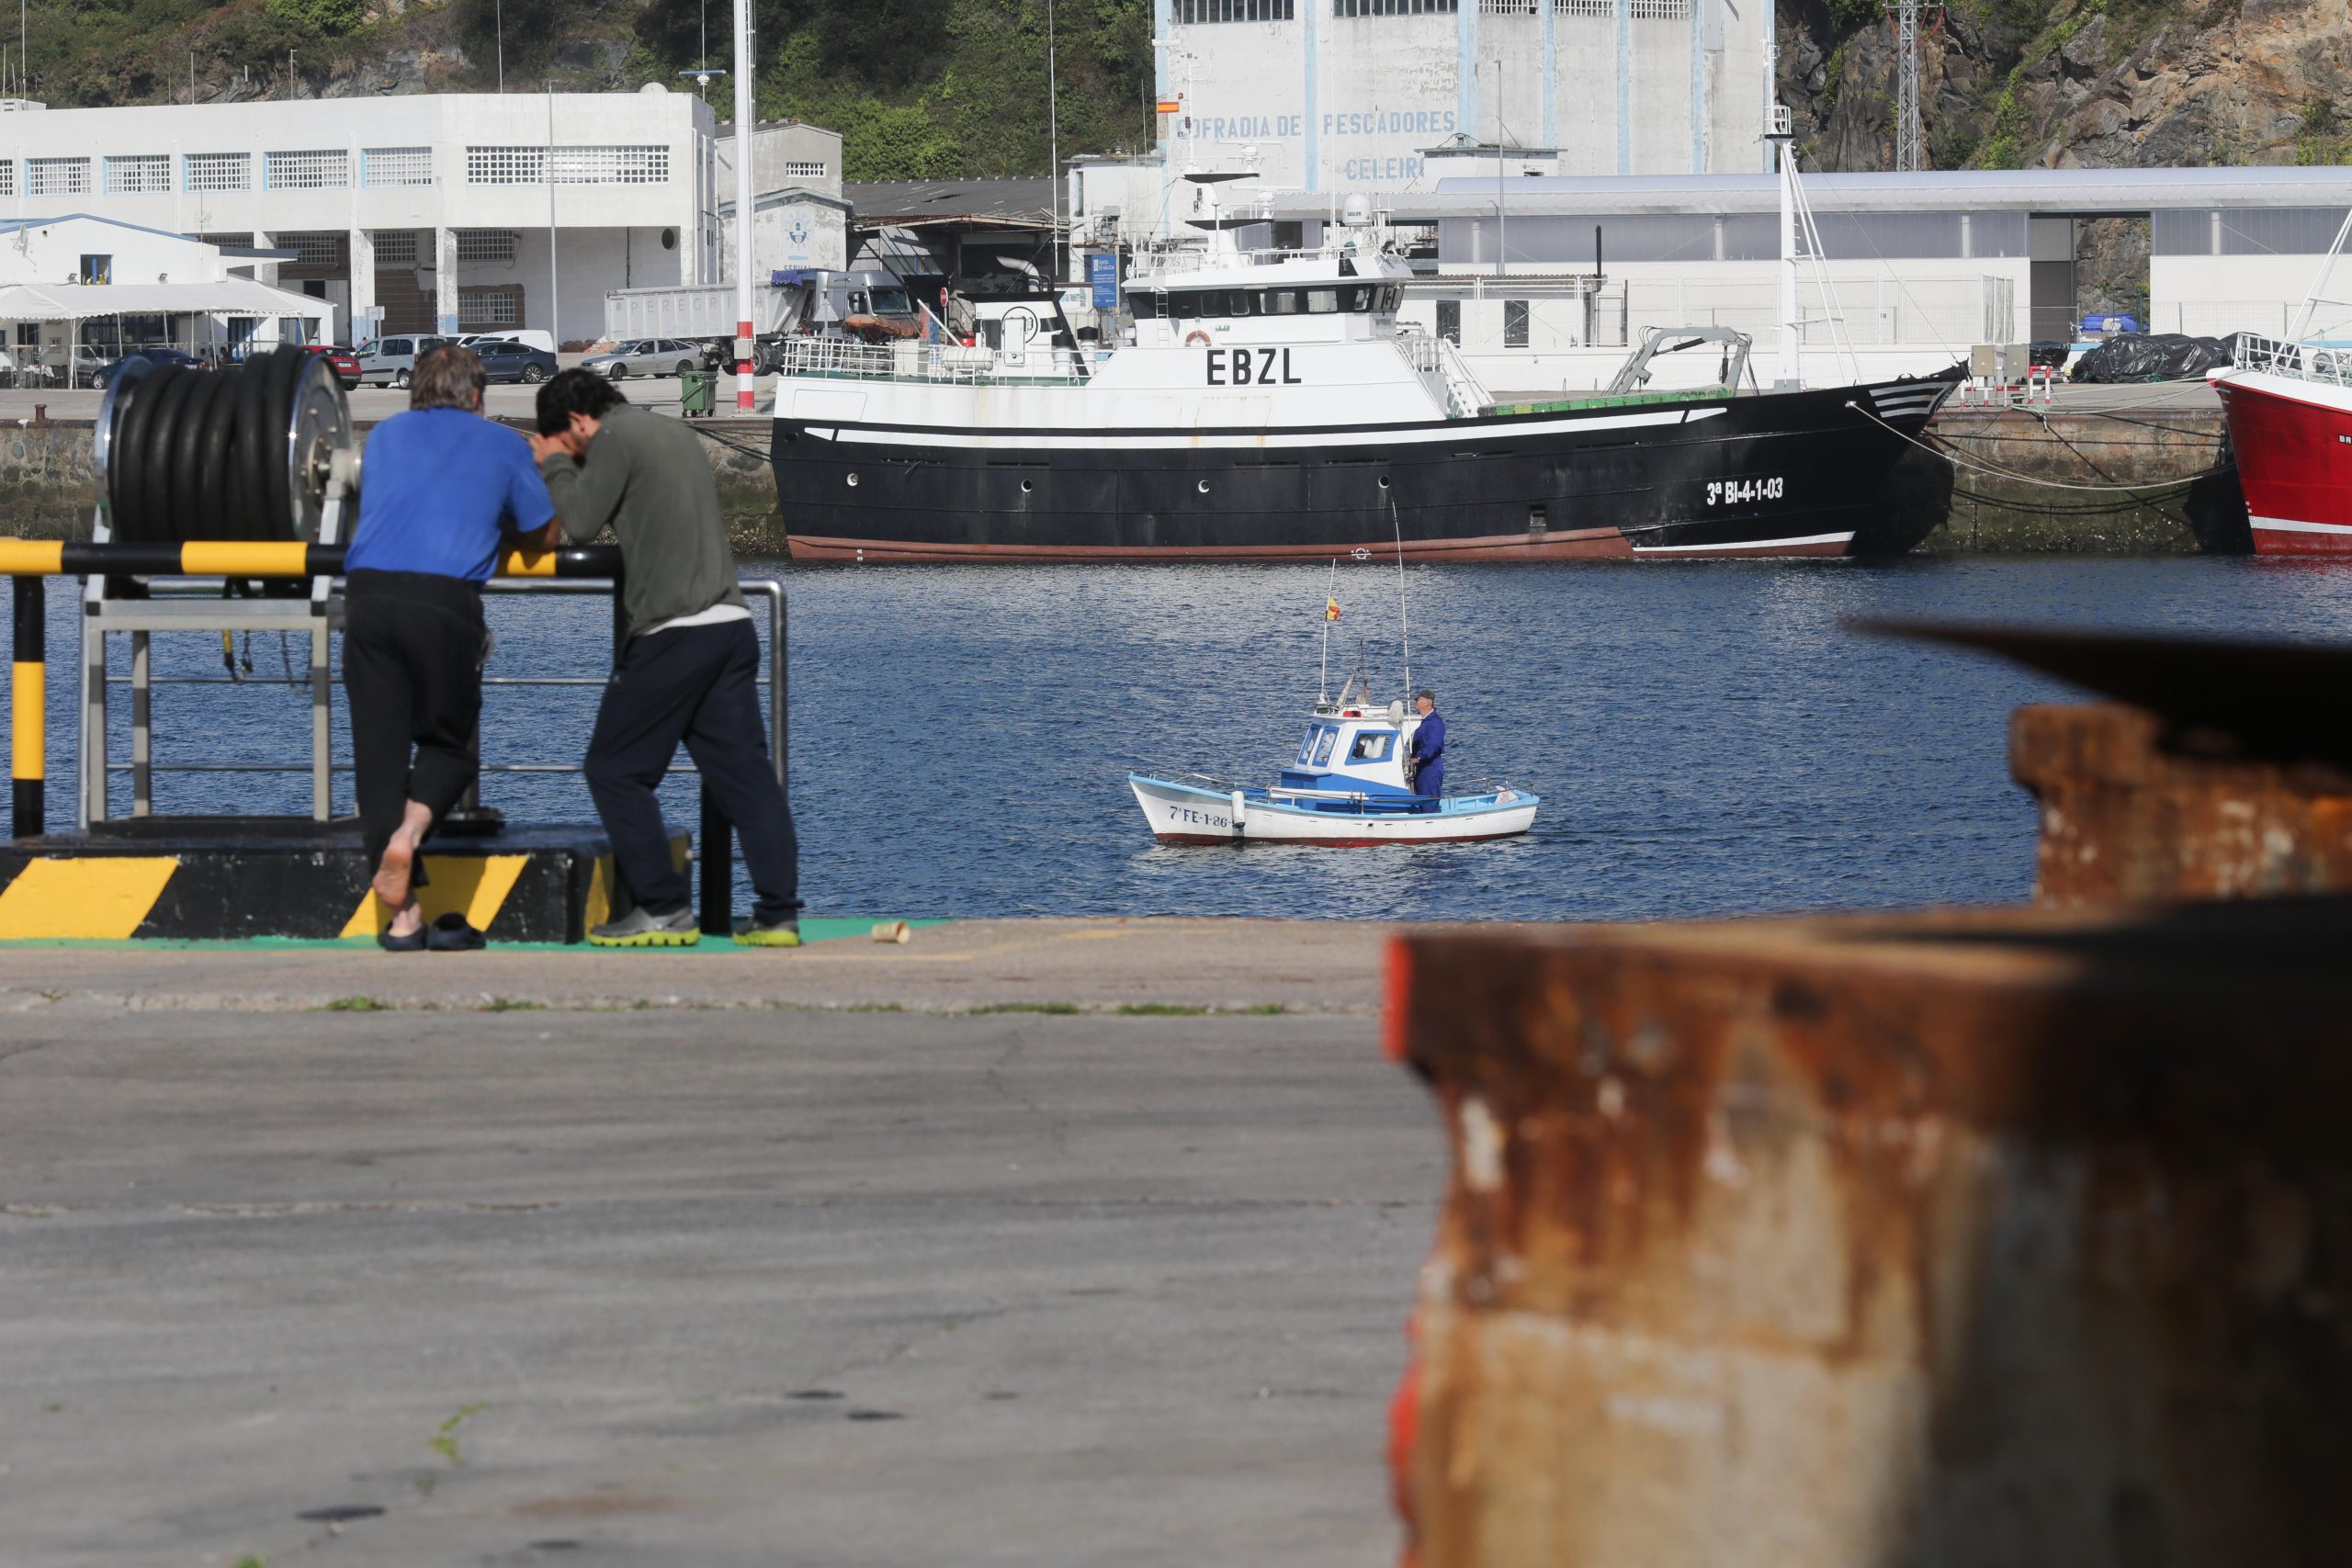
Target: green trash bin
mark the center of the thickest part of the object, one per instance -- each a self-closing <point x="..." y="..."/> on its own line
<point x="697" y="391"/>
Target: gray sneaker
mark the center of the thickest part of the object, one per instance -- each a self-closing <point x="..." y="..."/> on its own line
<point x="642" y="928"/>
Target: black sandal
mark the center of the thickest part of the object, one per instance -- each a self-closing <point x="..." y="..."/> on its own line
<point x="413" y="942"/>
<point x="451" y="934"/>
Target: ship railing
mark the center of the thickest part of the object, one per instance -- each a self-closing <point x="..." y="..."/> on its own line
<point x="2303" y="361"/>
<point x="909" y="361"/>
<point x="1162" y="264"/>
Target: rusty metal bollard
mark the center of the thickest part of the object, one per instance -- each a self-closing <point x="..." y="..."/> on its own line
<point x="2123" y="818"/>
<point x="1931" y="1241"/>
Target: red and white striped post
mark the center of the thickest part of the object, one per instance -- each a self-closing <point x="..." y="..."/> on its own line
<point x="746" y="123"/>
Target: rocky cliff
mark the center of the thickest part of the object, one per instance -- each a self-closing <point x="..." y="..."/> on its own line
<point x="2012" y="84"/>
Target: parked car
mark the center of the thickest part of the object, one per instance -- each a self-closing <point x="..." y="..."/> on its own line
<point x="343" y="361"/>
<point x="514" y="362"/>
<point x="95" y="372"/>
<point x="647" y="356"/>
<point x="530" y="336"/>
<point x="393" y="360"/>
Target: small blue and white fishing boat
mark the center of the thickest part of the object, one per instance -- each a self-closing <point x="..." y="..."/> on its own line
<point x="1346" y="788"/>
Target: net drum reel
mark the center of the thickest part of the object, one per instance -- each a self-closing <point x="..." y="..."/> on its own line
<point x="261" y="454"/>
<point x="254" y="453"/>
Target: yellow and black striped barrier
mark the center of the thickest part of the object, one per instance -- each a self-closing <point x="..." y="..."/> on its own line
<point x="30" y="560"/>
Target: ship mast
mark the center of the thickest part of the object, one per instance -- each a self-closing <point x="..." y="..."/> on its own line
<point x="1788" y="377"/>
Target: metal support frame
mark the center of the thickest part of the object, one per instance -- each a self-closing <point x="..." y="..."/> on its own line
<point x="186" y="602"/>
<point x="191" y="605"/>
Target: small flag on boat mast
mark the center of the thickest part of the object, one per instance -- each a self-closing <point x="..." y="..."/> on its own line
<point x="1330" y="608"/>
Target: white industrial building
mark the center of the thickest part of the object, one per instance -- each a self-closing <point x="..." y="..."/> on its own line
<point x="1349" y="95"/>
<point x="799" y="220"/>
<point x="76" y="291"/>
<point x="434" y="211"/>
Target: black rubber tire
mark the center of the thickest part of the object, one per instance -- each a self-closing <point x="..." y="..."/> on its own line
<point x="400" y="380"/>
<point x="285" y="369"/>
<point x="188" y="509"/>
<point x="533" y="375"/>
<point x="210" y="475"/>
<point x="156" y="506"/>
<point x="250" y="448"/>
<point x="122" y="488"/>
<point x="684" y="365"/>
<point x="618" y="371"/>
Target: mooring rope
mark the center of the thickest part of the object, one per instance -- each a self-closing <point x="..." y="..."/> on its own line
<point x="1956" y="460"/>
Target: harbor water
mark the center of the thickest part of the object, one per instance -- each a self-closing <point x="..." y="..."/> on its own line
<point x="1707" y="738"/>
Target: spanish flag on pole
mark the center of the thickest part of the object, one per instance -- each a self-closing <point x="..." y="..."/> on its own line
<point x="1331" y="608"/>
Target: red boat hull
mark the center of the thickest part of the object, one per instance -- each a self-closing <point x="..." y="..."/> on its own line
<point x="2293" y="443"/>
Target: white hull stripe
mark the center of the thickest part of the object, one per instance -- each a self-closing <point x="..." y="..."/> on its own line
<point x="2286" y="526"/>
<point x="1745" y="547"/>
<point x="1420" y="435"/>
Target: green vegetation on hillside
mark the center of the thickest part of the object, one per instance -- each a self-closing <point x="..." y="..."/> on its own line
<point x="954" y="88"/>
<point x="962" y="92"/>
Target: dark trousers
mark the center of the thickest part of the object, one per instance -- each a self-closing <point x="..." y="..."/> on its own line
<point x="412" y="650"/>
<point x="695" y="684"/>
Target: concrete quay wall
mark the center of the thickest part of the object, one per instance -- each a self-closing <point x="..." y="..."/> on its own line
<point x="2006" y="495"/>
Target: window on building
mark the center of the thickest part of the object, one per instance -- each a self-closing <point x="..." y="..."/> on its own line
<point x="1449" y="321"/>
<point x="497" y="307"/>
<point x="324" y="169"/>
<point x="387" y="166"/>
<point x="1514" y="323"/>
<point x="227" y="242"/>
<point x="1392" y="7"/>
<point x="313" y="253"/>
<point x="1661" y="10"/>
<point x="1599" y="9"/>
<point x="218" y="171"/>
<point x="506" y="165"/>
<point x="486" y="245"/>
<point x="395" y="247"/>
<point x="139" y="175"/>
<point x="57" y="177"/>
<point x="1233" y="10"/>
<point x="799" y="171"/>
<point x="1506" y="7"/>
<point x="7" y="176"/>
<point x="98" y="269"/>
<point x="648" y="166"/>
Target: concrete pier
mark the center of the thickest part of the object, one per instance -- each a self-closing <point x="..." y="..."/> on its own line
<point x="859" y="1255"/>
<point x="2009" y="497"/>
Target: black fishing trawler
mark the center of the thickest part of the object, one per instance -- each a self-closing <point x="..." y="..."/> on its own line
<point x="1271" y="408"/>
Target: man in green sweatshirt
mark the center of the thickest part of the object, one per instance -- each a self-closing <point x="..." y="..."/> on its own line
<point x="689" y="670"/>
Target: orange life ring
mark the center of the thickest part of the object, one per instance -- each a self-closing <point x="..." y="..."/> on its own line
<point x="1196" y="340"/>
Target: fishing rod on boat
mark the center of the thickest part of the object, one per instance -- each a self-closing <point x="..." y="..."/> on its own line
<point x="1404" y="631"/>
<point x="1331" y="613"/>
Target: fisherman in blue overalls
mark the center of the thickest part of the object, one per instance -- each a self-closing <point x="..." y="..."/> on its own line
<point x="1428" y="747"/>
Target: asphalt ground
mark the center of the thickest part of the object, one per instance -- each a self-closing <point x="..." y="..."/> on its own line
<point x="856" y="1255"/>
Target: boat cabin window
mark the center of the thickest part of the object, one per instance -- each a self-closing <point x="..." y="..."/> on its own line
<point x="1192" y="304"/>
<point x="1372" y="746"/>
<point x="1323" y="745"/>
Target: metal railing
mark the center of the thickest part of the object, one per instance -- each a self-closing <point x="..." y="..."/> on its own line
<point x="94" y="768"/>
<point x="952" y="363"/>
<point x="2302" y="361"/>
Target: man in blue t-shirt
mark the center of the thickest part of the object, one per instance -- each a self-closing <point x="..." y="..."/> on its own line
<point x="444" y="491"/>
